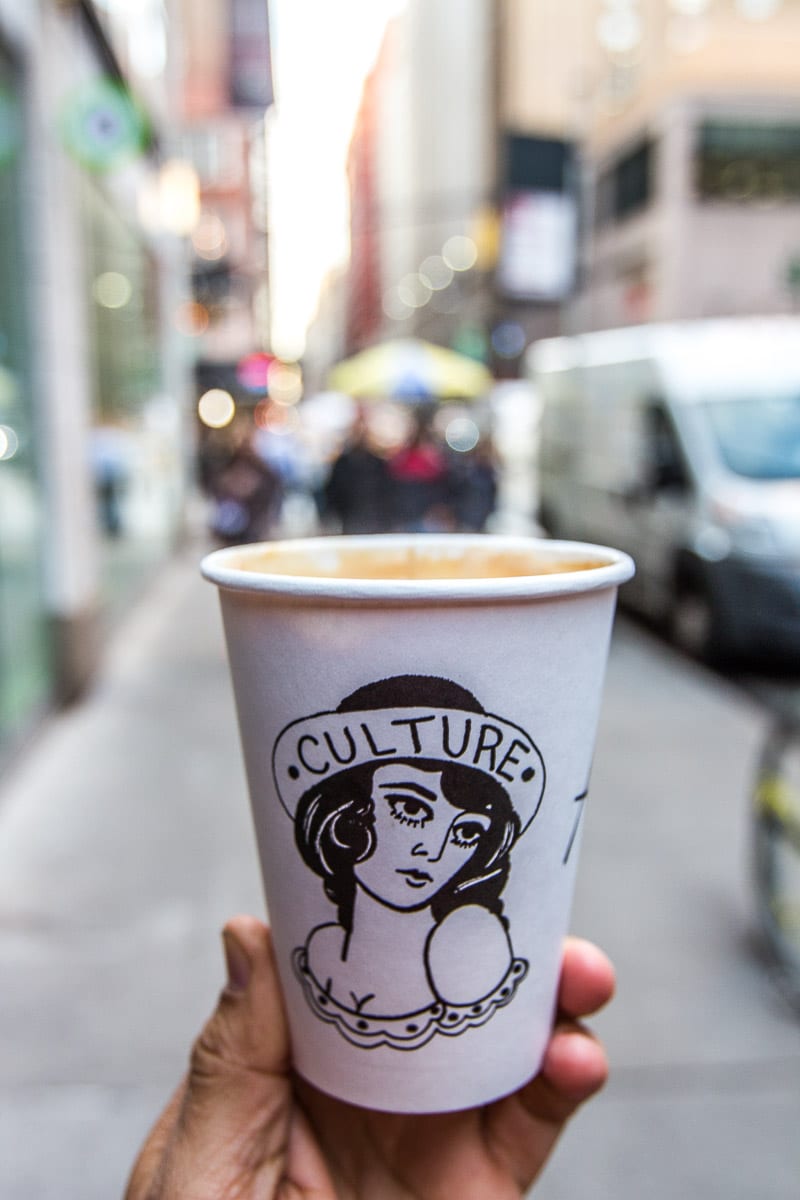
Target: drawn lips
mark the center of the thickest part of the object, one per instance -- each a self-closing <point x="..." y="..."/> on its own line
<point x="415" y="878"/>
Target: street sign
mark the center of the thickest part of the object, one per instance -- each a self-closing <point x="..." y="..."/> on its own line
<point x="102" y="125"/>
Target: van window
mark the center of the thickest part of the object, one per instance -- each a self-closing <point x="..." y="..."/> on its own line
<point x="758" y="437"/>
<point x="666" y="467"/>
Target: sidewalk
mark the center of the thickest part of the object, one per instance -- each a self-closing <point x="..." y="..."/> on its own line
<point x="704" y="1096"/>
<point x="125" y="842"/>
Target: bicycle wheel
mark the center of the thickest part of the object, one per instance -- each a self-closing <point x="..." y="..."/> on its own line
<point x="776" y="851"/>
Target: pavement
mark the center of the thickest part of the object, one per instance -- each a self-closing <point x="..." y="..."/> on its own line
<point x="125" y="842"/>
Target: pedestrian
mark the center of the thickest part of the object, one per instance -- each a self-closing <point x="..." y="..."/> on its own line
<point x="246" y="496"/>
<point x="356" y="491"/>
<point x="475" y="487"/>
<point x="421" y="484"/>
<point x="243" y="1123"/>
<point x="111" y="458"/>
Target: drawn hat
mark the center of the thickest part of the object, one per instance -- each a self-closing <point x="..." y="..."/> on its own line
<point x="409" y="717"/>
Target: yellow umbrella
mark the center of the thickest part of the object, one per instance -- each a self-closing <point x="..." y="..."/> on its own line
<point x="409" y="369"/>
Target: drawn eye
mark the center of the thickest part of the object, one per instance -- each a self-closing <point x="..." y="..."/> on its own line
<point x="468" y="833"/>
<point x="409" y="810"/>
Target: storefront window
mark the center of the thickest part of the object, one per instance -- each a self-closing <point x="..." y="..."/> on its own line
<point x="25" y="676"/>
<point x="753" y="162"/>
<point x="134" y="449"/>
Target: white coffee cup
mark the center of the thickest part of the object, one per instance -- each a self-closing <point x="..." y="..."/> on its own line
<point x="418" y="715"/>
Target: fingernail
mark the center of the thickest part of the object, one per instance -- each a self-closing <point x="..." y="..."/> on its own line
<point x="236" y="962"/>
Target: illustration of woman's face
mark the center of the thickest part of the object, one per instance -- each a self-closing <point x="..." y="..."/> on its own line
<point x="421" y="838"/>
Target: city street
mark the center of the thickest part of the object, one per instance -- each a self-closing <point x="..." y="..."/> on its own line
<point x="125" y="842"/>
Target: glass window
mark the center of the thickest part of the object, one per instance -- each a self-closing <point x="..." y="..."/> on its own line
<point x="759" y="437"/>
<point x="626" y="186"/>
<point x="665" y="462"/>
<point x="748" y="161"/>
<point x="24" y="651"/>
<point x="134" y="449"/>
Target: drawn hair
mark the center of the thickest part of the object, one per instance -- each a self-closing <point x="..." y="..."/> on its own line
<point x="335" y="829"/>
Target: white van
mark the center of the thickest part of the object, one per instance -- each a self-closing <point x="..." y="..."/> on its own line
<point x="681" y="445"/>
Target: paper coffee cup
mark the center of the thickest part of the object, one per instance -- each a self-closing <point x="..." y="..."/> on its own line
<point x="417" y="716"/>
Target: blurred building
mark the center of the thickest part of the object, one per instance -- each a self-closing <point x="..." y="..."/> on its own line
<point x="326" y="339"/>
<point x="225" y="92"/>
<point x="677" y="124"/>
<point x="691" y="132"/>
<point x="596" y="163"/>
<point x="421" y="174"/>
<point x="98" y="324"/>
<point x="542" y="53"/>
<point x="462" y="177"/>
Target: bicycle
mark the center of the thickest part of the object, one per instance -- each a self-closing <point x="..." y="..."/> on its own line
<point x="776" y="849"/>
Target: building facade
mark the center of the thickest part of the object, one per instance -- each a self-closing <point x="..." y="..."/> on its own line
<point x="225" y="91"/>
<point x="93" y="372"/>
<point x="691" y="137"/>
<point x="605" y="158"/>
<point x="421" y="173"/>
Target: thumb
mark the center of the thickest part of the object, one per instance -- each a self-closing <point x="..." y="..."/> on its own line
<point x="247" y="1033"/>
<point x="233" y="1123"/>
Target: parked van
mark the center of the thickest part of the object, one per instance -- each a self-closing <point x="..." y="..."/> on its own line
<point x="681" y="445"/>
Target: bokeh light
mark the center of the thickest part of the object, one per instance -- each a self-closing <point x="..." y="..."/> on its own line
<point x="191" y="318"/>
<point x="413" y="291"/>
<point x="460" y="252"/>
<point x="216" y="408"/>
<point x="178" y="197"/>
<point x="112" y="289"/>
<point x="508" y="339"/>
<point x="209" y="238"/>
<point x="462" y="434"/>
<point x="285" y="383"/>
<point x="619" y="29"/>
<point x="9" y="442"/>
<point x="252" y="371"/>
<point x="436" y="273"/>
<point x="276" y="418"/>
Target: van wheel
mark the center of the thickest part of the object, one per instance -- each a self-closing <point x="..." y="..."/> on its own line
<point x="693" y="623"/>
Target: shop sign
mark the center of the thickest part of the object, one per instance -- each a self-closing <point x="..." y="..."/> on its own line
<point x="538" y="245"/>
<point x="102" y="126"/>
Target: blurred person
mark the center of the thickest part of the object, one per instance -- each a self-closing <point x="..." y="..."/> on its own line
<point x="475" y="487"/>
<point x="275" y="441"/>
<point x="243" y="1123"/>
<point x="421" y="483"/>
<point x="246" y="495"/>
<point x="279" y="440"/>
<point x="356" y="490"/>
<point x="110" y="456"/>
<point x="214" y="452"/>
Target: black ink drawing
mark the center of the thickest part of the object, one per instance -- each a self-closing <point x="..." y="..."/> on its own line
<point x="579" y="799"/>
<point x="407" y="801"/>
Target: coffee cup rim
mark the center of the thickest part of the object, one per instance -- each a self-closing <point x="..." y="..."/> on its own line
<point x="223" y="567"/>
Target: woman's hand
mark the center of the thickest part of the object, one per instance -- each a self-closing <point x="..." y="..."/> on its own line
<point x="242" y="1126"/>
